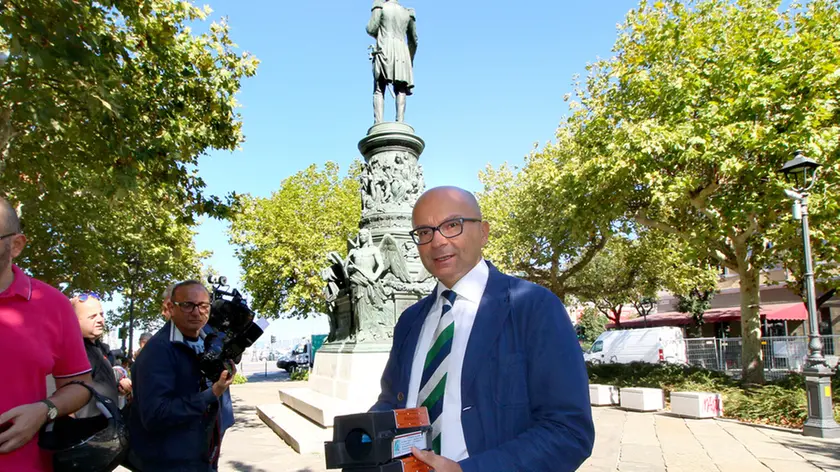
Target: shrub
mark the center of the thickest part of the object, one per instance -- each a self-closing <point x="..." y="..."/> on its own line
<point x="782" y="402"/>
<point x="239" y="379"/>
<point x="668" y="377"/>
<point x="299" y="374"/>
<point x="768" y="404"/>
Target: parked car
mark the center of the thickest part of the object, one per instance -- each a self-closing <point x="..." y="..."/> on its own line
<point x="652" y="345"/>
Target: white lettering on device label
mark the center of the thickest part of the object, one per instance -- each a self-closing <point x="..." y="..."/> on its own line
<point x="402" y="444"/>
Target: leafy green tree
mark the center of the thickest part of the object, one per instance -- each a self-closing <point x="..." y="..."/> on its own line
<point x="531" y="234"/>
<point x="608" y="280"/>
<point x="545" y="226"/>
<point x="592" y="323"/>
<point x="155" y="250"/>
<point x="632" y="269"/>
<point x="643" y="304"/>
<point x="101" y="101"/>
<point x="696" y="302"/>
<point x="689" y="121"/>
<point x="282" y="241"/>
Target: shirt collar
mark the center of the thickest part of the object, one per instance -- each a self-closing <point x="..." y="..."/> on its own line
<point x="21" y="285"/>
<point x="176" y="336"/>
<point x="471" y="286"/>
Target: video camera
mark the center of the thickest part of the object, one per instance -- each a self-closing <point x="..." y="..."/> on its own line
<point x="380" y="441"/>
<point x="229" y="331"/>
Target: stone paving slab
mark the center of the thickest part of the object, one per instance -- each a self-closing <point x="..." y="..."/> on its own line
<point x="250" y="445"/>
<point x="625" y="442"/>
<point x="629" y="466"/>
<point x="822" y="453"/>
<point x="790" y="466"/>
<point x="680" y="448"/>
<point x="725" y="452"/>
<point x="760" y="445"/>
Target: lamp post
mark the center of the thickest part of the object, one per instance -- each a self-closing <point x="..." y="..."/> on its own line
<point x="802" y="172"/>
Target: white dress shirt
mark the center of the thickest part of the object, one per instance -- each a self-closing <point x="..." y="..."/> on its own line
<point x="469" y="289"/>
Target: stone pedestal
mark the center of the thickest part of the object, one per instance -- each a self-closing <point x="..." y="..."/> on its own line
<point x="603" y="395"/>
<point x="344" y="380"/>
<point x="364" y="310"/>
<point x="697" y="404"/>
<point x="820" y="422"/>
<point x="642" y="399"/>
<point x="391" y="182"/>
<point x="367" y="291"/>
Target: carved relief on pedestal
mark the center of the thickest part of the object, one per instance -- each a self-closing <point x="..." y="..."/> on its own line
<point x="391" y="182"/>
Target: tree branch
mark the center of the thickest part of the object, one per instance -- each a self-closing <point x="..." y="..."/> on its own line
<point x="747" y="233"/>
<point x="698" y="199"/>
<point x="642" y="218"/>
<point x="587" y="257"/>
<point x="6" y="135"/>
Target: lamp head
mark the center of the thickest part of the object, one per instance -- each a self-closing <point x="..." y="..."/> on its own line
<point x="801" y="171"/>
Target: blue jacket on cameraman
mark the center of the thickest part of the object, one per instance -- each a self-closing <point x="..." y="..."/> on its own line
<point x="175" y="423"/>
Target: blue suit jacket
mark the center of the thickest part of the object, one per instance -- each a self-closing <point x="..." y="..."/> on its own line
<point x="174" y="414"/>
<point x="524" y="387"/>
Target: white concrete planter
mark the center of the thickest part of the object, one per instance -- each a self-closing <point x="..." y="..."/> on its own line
<point x="642" y="399"/>
<point x="603" y="395"/>
<point x="697" y="404"/>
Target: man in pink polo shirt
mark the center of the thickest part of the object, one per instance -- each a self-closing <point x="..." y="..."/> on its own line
<point x="39" y="336"/>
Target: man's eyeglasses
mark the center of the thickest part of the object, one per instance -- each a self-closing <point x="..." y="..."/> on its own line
<point x="84" y="297"/>
<point x="448" y="229"/>
<point x="8" y="235"/>
<point x="188" y="307"/>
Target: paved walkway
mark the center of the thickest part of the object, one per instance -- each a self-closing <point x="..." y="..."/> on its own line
<point x="251" y="446"/>
<point x="625" y="441"/>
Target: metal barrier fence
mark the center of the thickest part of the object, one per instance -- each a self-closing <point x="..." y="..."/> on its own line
<point x="782" y="354"/>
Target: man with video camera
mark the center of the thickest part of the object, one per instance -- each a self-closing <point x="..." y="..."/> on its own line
<point x="175" y="423"/>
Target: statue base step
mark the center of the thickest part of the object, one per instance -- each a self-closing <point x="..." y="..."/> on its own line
<point x="317" y="407"/>
<point x="345" y="380"/>
<point x="296" y="430"/>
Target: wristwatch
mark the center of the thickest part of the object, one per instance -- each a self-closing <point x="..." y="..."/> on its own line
<point x="52" y="411"/>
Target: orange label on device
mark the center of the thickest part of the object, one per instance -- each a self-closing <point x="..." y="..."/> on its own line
<point x="413" y="464"/>
<point x="411" y="417"/>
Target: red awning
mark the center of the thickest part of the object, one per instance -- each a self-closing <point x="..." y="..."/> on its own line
<point x="778" y="311"/>
<point x="785" y="311"/>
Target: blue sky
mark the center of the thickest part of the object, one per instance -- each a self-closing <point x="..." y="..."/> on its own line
<point x="490" y="79"/>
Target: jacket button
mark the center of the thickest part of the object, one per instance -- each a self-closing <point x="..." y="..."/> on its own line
<point x="400" y="397"/>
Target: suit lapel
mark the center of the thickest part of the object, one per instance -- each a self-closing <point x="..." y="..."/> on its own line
<point x="489" y="320"/>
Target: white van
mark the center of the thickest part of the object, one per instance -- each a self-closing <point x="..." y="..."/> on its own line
<point x="652" y="345"/>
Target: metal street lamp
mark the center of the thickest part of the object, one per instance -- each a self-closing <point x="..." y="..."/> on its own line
<point x="802" y="173"/>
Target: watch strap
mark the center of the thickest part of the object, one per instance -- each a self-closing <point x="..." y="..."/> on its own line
<point x="50" y="409"/>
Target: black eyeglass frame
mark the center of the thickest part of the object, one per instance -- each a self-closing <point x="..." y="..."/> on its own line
<point x="202" y="307"/>
<point x="461" y="220"/>
<point x="9" y="235"/>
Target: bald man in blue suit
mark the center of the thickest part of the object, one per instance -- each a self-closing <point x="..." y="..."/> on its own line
<point x="494" y="358"/>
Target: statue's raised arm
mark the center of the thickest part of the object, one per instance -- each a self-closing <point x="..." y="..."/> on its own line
<point x="395" y="30"/>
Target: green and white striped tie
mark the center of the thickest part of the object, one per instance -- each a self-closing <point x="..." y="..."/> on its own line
<point x="433" y="381"/>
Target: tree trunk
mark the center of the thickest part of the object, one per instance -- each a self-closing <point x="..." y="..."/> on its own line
<point x="6" y="134"/>
<point x="752" y="360"/>
<point x="617" y="314"/>
<point x="553" y="282"/>
<point x="130" y="352"/>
